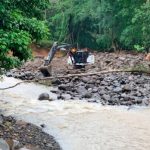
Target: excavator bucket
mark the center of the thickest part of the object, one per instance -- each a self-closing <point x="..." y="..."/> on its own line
<point x="46" y="71"/>
<point x="46" y="68"/>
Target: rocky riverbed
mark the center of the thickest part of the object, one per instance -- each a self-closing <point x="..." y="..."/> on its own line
<point x="110" y="88"/>
<point x="20" y="134"/>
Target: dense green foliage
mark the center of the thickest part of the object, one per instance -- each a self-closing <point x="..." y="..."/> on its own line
<point x="101" y="24"/>
<point x="20" y="24"/>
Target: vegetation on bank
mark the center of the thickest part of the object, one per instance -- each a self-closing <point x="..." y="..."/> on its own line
<point x="21" y="23"/>
<point x="97" y="24"/>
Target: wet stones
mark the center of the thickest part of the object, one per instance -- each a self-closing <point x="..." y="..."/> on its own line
<point x="25" y="135"/>
<point x="23" y="75"/>
<point x="56" y="82"/>
<point x="111" y="89"/>
<point x="87" y="95"/>
<point x="4" y="145"/>
<point x="1" y="119"/>
<point x="106" y="97"/>
<point x="126" y="88"/>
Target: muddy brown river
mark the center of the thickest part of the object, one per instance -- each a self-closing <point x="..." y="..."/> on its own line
<point x="78" y="125"/>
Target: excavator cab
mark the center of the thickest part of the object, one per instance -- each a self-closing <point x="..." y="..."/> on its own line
<point x="80" y="58"/>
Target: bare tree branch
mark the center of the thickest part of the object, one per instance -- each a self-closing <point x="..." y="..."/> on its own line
<point x="17" y="84"/>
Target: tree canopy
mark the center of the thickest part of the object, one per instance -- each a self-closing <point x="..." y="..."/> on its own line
<point x="21" y="23"/>
<point x="101" y="24"/>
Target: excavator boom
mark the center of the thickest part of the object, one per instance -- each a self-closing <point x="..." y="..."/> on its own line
<point x="53" y="51"/>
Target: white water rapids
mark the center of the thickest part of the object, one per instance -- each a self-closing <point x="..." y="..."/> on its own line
<point x="78" y="125"/>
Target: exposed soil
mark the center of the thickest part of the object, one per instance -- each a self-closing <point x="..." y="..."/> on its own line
<point x="27" y="135"/>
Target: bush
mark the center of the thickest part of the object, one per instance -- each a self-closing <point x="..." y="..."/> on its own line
<point x="20" y="25"/>
<point x="139" y="48"/>
<point x="103" y="42"/>
<point x="45" y="43"/>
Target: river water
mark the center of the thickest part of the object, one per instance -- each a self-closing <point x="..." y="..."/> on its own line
<point x="78" y="125"/>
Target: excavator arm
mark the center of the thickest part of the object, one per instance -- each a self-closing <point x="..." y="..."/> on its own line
<point x="46" y="68"/>
<point x="53" y="51"/>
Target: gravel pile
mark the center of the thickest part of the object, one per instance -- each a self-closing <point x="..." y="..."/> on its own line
<point x="27" y="135"/>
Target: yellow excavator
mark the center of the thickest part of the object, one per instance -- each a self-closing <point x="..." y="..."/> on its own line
<point x="79" y="58"/>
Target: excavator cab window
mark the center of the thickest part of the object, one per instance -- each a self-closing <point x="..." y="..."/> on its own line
<point x="80" y="57"/>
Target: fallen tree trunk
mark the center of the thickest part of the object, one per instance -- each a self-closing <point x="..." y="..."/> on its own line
<point x="96" y="73"/>
<point x="76" y="75"/>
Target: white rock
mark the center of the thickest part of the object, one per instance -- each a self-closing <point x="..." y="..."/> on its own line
<point x="3" y="145"/>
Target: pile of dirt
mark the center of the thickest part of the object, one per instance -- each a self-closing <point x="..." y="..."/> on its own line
<point x="26" y="134"/>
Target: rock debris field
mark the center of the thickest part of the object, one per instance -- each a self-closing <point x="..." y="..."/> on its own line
<point x="107" y="89"/>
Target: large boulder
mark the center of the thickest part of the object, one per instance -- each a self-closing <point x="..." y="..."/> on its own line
<point x="87" y="95"/>
<point x="56" y="82"/>
<point x="65" y="87"/>
<point x="44" y="96"/>
<point x="8" y="144"/>
<point x="3" y="145"/>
